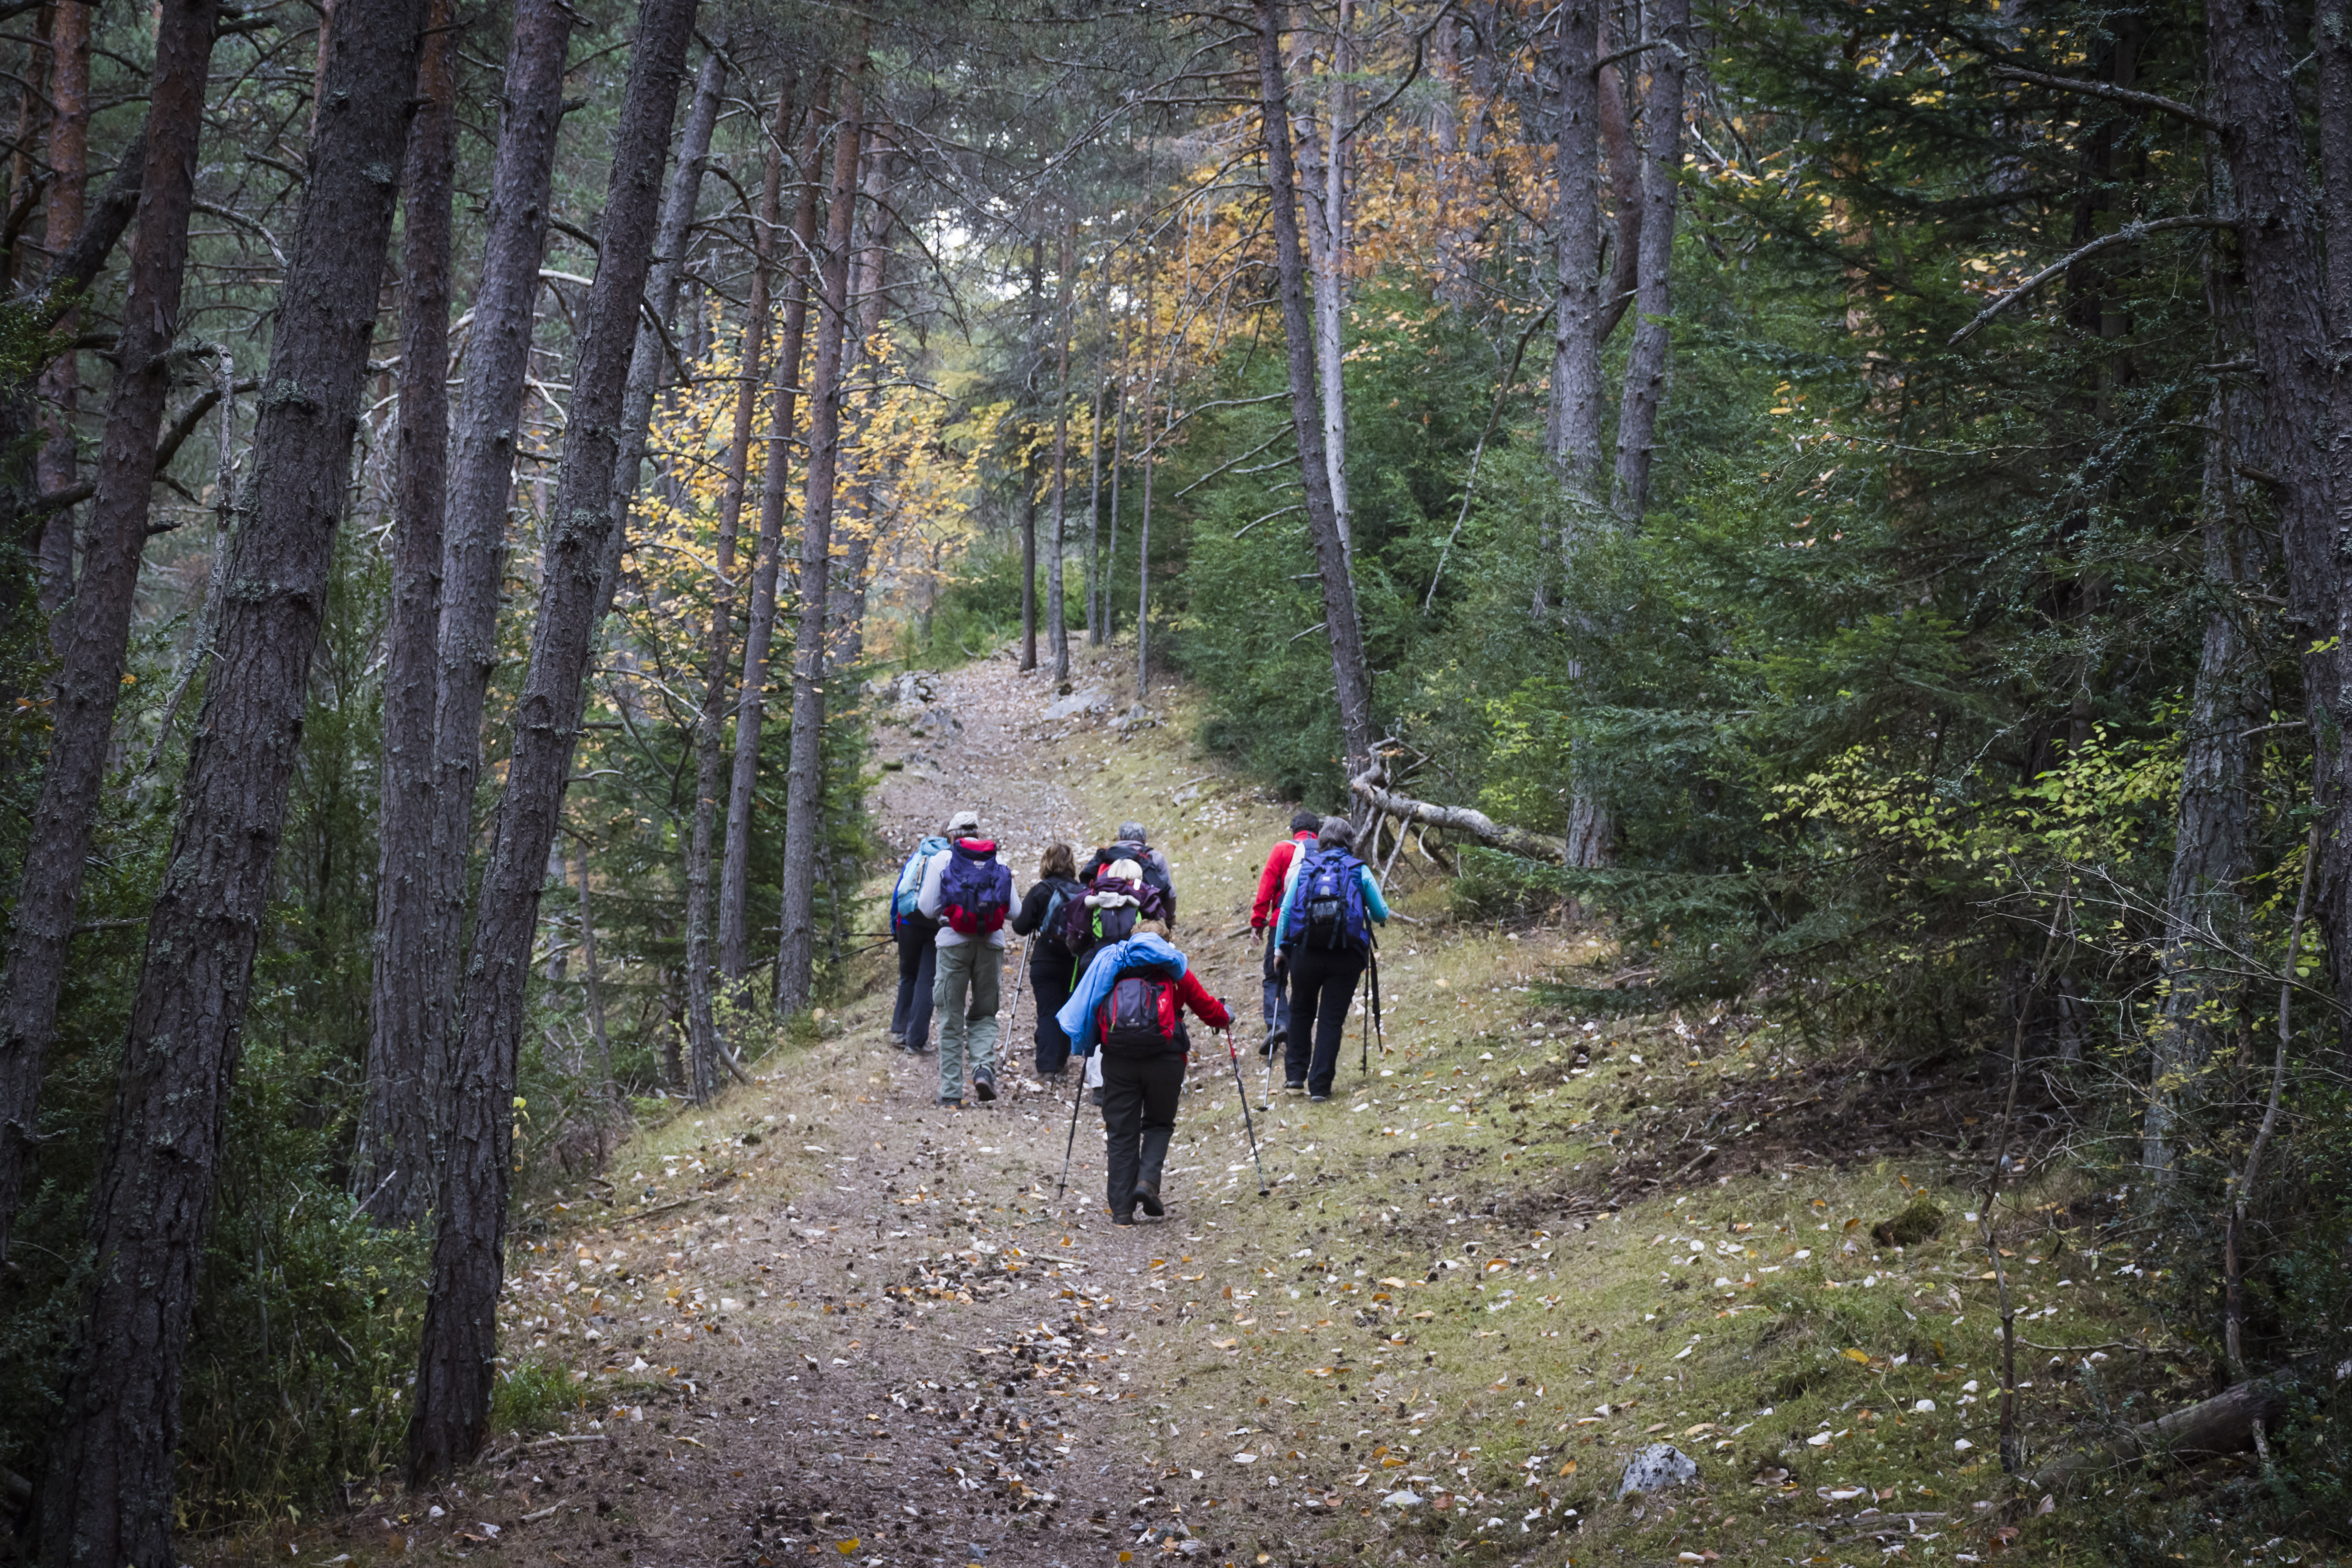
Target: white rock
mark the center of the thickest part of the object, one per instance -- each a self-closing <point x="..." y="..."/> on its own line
<point x="1404" y="1499"/>
<point x="1079" y="705"/>
<point x="1656" y="1468"/>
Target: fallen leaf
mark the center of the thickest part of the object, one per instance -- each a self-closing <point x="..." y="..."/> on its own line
<point x="1860" y="1357"/>
<point x="846" y="1547"/>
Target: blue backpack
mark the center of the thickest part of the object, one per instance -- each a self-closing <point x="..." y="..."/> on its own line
<point x="910" y="882"/>
<point x="975" y="890"/>
<point x="1327" y="905"/>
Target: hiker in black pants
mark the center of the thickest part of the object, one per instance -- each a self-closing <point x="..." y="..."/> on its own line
<point x="1040" y="920"/>
<point x="1325" y="931"/>
<point x="1129" y="1005"/>
<point x="915" y="933"/>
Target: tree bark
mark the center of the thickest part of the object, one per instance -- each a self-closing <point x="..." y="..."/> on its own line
<point x="1326" y="246"/>
<point x="393" y="1168"/>
<point x="1143" y="524"/>
<point x="1094" y="510"/>
<point x="2252" y="50"/>
<point x="868" y="289"/>
<point x="1624" y="185"/>
<point x="69" y="187"/>
<point x="2331" y="36"/>
<point x="2222" y="1424"/>
<point x="1057" y="631"/>
<point x="21" y="519"/>
<point x="1371" y="787"/>
<point x="1574" y="436"/>
<point x="1118" y="468"/>
<point x="1650" y="358"/>
<point x="702" y="1021"/>
<point x="1352" y="674"/>
<point x="455" y="1369"/>
<point x="2204" y="912"/>
<point x="1029" y="469"/>
<point x="96" y="637"/>
<point x="805" y="781"/>
<point x="108" y="1498"/>
<point x="751" y="712"/>
<point x="650" y="352"/>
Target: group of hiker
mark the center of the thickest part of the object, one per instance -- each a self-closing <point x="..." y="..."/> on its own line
<point x="1112" y="993"/>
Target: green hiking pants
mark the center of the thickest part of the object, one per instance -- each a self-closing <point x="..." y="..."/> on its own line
<point x="963" y="1001"/>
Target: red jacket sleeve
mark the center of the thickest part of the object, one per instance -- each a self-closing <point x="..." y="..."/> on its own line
<point x="1205" y="1007"/>
<point x="1269" y="883"/>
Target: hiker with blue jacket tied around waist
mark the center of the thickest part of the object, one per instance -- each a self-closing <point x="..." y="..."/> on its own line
<point x="913" y="930"/>
<point x="1329" y="905"/>
<point x="1130" y="1005"/>
<point x="969" y="893"/>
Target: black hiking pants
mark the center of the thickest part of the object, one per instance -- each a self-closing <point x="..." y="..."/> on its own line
<point x="1322" y="983"/>
<point x="1140" y="1095"/>
<point x="911" y="1016"/>
<point x="1049" y="978"/>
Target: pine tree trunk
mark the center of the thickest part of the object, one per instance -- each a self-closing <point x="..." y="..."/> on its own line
<point x="1029" y="473"/>
<point x="650" y="353"/>
<point x="710" y="724"/>
<point x="1143" y="523"/>
<point x="1650" y="359"/>
<point x="1326" y="243"/>
<point x="1351" y="673"/>
<point x="1118" y="468"/>
<point x="2204" y="911"/>
<point x="845" y="622"/>
<point x="69" y="187"/>
<point x="2252" y="49"/>
<point x="751" y="712"/>
<point x="455" y="1373"/>
<point x="393" y="1167"/>
<point x="2332" y="34"/>
<point x="1624" y="183"/>
<point x="93" y="643"/>
<point x="1057" y="630"/>
<point x="21" y="524"/>
<point x="805" y="782"/>
<point x="111" y="1462"/>
<point x="1094" y="511"/>
<point x="1573" y="438"/>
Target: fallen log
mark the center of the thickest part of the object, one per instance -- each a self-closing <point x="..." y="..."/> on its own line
<point x="2222" y="1424"/>
<point x="1372" y="785"/>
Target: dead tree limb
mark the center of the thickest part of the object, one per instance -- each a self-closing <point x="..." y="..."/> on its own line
<point x="2222" y="1424"/>
<point x="1372" y="785"/>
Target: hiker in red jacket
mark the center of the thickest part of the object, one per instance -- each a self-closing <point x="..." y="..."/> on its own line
<point x="1304" y="825"/>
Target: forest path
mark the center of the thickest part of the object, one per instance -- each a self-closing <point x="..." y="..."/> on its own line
<point x="831" y="1317"/>
<point x="826" y="1319"/>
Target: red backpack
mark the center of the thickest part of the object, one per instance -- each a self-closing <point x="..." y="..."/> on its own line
<point x="1140" y="1014"/>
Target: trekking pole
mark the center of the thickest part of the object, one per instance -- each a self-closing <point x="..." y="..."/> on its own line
<point x="1376" y="1004"/>
<point x="1012" y="1015"/>
<point x="1248" y="1124"/>
<point x="1076" y="1095"/>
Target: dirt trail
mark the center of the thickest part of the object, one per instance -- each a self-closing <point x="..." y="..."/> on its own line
<point x="832" y="1317"/>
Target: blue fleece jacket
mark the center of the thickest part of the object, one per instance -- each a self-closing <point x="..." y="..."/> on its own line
<point x="1147" y="950"/>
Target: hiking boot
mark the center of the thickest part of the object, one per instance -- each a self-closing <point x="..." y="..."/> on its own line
<point x="952" y="1101"/>
<point x="1273" y="1043"/>
<point x="984" y="1084"/>
<point x="1296" y="1086"/>
<point x="1097" y="1096"/>
<point x="1147" y="1197"/>
<point x="1318" y="1099"/>
<point x="896" y="1039"/>
<point x="1122" y="1219"/>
